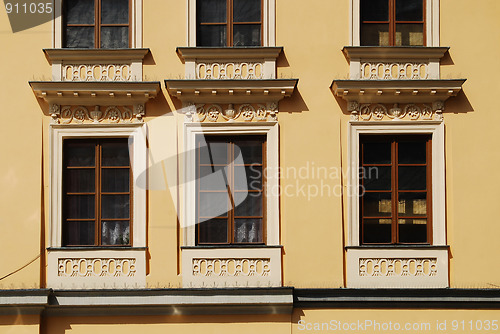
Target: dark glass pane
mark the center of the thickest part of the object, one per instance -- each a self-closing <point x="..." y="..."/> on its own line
<point x="79" y="11"/>
<point x="412" y="178"/>
<point x="248" y="204"/>
<point x="79" y="153"/>
<point x="114" y="37"/>
<point x="114" y="11"/>
<point x="213" y="204"/>
<point x="374" y="34"/>
<point x="377" y="152"/>
<point x="377" y="231"/>
<point x="79" y="233"/>
<point x="212" y="35"/>
<point x="211" y="11"/>
<point x="376" y="178"/>
<point x="115" y="180"/>
<point x="115" y="153"/>
<point x="115" y="233"/>
<point x="115" y="206"/>
<point x="248" y="178"/>
<point x="80" y="206"/>
<point x="79" y="180"/>
<point x="79" y="37"/>
<point x="246" y="35"/>
<point x="412" y="204"/>
<point x="213" y="231"/>
<point x="246" y="10"/>
<point x="248" y="152"/>
<point x="215" y="153"/>
<point x="409" y="10"/>
<point x="213" y="177"/>
<point x="248" y="230"/>
<point x="374" y="10"/>
<point x="412" y="152"/>
<point x="377" y="204"/>
<point x="409" y="34"/>
<point x="412" y="230"/>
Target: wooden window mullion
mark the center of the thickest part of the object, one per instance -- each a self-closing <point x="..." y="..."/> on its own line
<point x="394" y="192"/>
<point x="230" y="177"/>
<point x="229" y="19"/>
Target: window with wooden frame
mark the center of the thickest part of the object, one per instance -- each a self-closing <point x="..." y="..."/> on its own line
<point x="230" y="198"/>
<point x="229" y="22"/>
<point x="392" y="22"/>
<point x="395" y="189"/>
<point x="96" y="192"/>
<point x="96" y="24"/>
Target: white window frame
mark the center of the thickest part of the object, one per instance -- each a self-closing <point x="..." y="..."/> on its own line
<point x="431" y="22"/>
<point x="58" y="133"/>
<point x="270" y="130"/>
<point x="135" y="29"/>
<point x="268" y="23"/>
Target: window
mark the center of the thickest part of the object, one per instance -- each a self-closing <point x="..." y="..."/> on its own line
<point x="395" y="180"/>
<point x="96" y="24"/>
<point x="96" y="192"/>
<point x="392" y="22"/>
<point x="229" y="22"/>
<point x="230" y="198"/>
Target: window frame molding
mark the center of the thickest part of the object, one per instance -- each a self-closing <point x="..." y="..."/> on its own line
<point x="431" y="22"/>
<point x="135" y="19"/>
<point x="268" y="23"/>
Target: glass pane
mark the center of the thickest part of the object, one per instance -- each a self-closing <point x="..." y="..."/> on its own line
<point x="246" y="35"/>
<point x="79" y="153"/>
<point x="412" y="204"/>
<point x="115" y="153"/>
<point x="409" y="34"/>
<point x="248" y="152"/>
<point x="374" y="34"/>
<point x="248" y="204"/>
<point x="211" y="11"/>
<point x="115" y="206"/>
<point x="215" y="153"/>
<point x="374" y="10"/>
<point x="248" y="230"/>
<point x="409" y="10"/>
<point x="412" y="152"/>
<point x="114" y="37"/>
<point x="79" y="37"/>
<point x="80" y="206"/>
<point x="412" y="230"/>
<point x="248" y="178"/>
<point x="246" y="10"/>
<point x="114" y="11"/>
<point x="79" y="11"/>
<point x="377" y="152"/>
<point x="213" y="177"/>
<point x="115" y="233"/>
<point x="79" y="233"/>
<point x="377" y="231"/>
<point x="79" y="180"/>
<point x="377" y="204"/>
<point x="212" y="35"/>
<point x="376" y="178"/>
<point x="412" y="178"/>
<point x="213" y="204"/>
<point x="115" y="180"/>
<point x="213" y="231"/>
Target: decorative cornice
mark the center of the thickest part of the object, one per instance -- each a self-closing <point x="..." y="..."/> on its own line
<point x="231" y="91"/>
<point x="191" y="53"/>
<point x="394" y="52"/>
<point x="94" y="55"/>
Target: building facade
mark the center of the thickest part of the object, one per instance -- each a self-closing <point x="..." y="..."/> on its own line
<point x="250" y="165"/>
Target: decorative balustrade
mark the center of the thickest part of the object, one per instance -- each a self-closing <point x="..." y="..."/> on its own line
<point x="230" y="70"/>
<point x="398" y="267"/>
<point x="394" y="71"/>
<point x="97" y="267"/>
<point x="97" y="72"/>
<point x="231" y="267"/>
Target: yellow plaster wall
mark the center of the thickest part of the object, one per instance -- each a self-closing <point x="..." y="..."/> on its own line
<point x="19" y="324"/>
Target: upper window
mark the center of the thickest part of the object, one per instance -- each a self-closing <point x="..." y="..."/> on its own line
<point x="230" y="182"/>
<point x="229" y="22"/>
<point x="395" y="189"/>
<point x="97" y="192"/>
<point x="96" y="24"/>
<point x="392" y="22"/>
